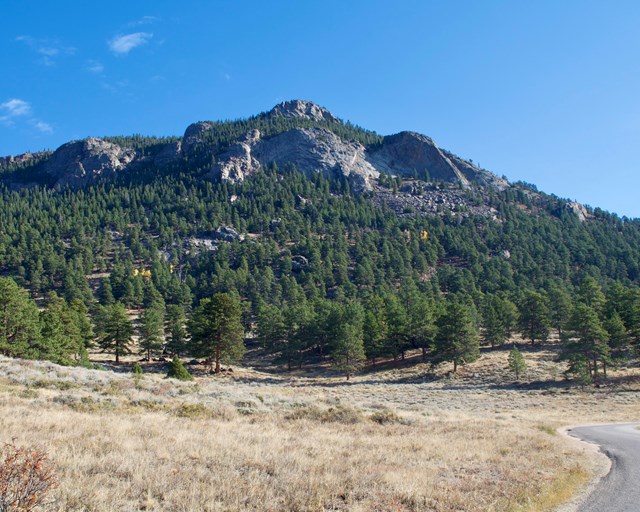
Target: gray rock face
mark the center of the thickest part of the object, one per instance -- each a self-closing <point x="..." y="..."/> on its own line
<point x="474" y="174"/>
<point x="578" y="210"/>
<point x="407" y="152"/>
<point x="237" y="161"/>
<point x="79" y="162"/>
<point x="194" y="135"/>
<point x="303" y="109"/>
<point x="309" y="149"/>
<point x="318" y="150"/>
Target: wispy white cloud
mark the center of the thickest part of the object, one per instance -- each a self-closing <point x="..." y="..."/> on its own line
<point x="95" y="67"/>
<point x="15" y="109"/>
<point x="42" y="127"/>
<point x="145" y="20"/>
<point x="47" y="49"/>
<point x="123" y="44"/>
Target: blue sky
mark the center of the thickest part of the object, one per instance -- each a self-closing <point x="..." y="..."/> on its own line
<point x="545" y="91"/>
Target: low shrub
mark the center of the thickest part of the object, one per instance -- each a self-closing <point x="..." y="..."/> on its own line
<point x="26" y="477"/>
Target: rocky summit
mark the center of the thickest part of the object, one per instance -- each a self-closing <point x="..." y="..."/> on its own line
<point x="297" y="133"/>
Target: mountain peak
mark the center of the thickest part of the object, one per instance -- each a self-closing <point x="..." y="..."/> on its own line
<point x="303" y="109"/>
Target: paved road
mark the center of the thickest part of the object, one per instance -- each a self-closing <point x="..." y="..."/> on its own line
<point x="618" y="491"/>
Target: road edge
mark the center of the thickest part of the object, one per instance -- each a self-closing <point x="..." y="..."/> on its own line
<point x="595" y="455"/>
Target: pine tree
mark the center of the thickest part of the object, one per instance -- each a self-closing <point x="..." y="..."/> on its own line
<point x="397" y="320"/>
<point x="114" y="330"/>
<point x="61" y="341"/>
<point x="457" y="337"/>
<point x="348" y="347"/>
<point x="517" y="363"/>
<point x="560" y="306"/>
<point x="176" y="329"/>
<point x="270" y="329"/>
<point x="375" y="329"/>
<point x="535" y="318"/>
<point x="152" y="330"/>
<point x="216" y="330"/>
<point x="498" y="319"/>
<point x="105" y="293"/>
<point x="420" y="323"/>
<point x="618" y="337"/>
<point x="19" y="321"/>
<point x="590" y="294"/>
<point x="586" y="346"/>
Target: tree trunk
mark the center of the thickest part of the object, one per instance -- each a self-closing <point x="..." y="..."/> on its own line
<point x="217" y="370"/>
<point x="117" y="355"/>
<point x="455" y="366"/>
<point x="424" y="354"/>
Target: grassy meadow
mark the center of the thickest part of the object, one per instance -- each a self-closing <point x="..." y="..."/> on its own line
<point x="400" y="438"/>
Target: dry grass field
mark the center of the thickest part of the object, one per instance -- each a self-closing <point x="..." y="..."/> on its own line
<point x="402" y="439"/>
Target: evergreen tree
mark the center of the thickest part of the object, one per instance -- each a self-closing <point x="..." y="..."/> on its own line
<point x="397" y="320"/>
<point x="586" y="343"/>
<point x="517" y="364"/>
<point x="152" y="330"/>
<point x="114" y="329"/>
<point x="61" y="338"/>
<point x="456" y="339"/>
<point x="535" y="318"/>
<point x="420" y="327"/>
<point x="270" y="329"/>
<point x="375" y="329"/>
<point x="560" y="306"/>
<point x="498" y="319"/>
<point x="618" y="337"/>
<point x="176" y="329"/>
<point x="216" y="330"/>
<point x="590" y="294"/>
<point x="632" y="318"/>
<point x="177" y="370"/>
<point x="19" y="321"/>
<point x="105" y="293"/>
<point x="348" y="347"/>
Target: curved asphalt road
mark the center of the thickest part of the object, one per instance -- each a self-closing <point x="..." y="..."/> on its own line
<point x="619" y="490"/>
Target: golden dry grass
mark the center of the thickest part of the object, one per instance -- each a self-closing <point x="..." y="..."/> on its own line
<point x="396" y="440"/>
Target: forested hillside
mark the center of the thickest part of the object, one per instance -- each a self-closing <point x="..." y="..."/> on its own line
<point x="314" y="269"/>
